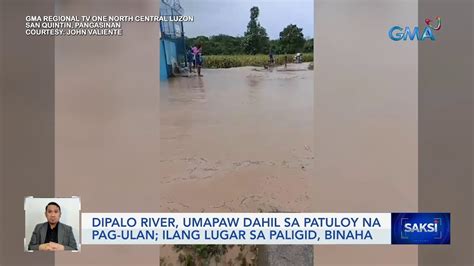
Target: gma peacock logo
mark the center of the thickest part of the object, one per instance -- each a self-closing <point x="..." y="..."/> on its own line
<point x="397" y="33"/>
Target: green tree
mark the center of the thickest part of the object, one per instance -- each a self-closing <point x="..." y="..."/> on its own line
<point x="218" y="45"/>
<point x="203" y="40"/>
<point x="226" y="45"/>
<point x="308" y="46"/>
<point x="255" y="38"/>
<point x="291" y="39"/>
<point x="276" y="47"/>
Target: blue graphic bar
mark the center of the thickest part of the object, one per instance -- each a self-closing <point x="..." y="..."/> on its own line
<point x="421" y="228"/>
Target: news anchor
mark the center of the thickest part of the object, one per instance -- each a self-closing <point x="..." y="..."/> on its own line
<point x="52" y="235"/>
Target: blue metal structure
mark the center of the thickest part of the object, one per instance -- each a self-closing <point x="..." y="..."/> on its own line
<point x="172" y="43"/>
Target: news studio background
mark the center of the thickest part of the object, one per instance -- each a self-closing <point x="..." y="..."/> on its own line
<point x="238" y="132"/>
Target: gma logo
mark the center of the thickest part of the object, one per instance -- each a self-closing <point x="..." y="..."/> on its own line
<point x="420" y="227"/>
<point x="397" y="33"/>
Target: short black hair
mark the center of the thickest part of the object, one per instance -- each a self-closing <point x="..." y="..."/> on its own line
<point x="52" y="203"/>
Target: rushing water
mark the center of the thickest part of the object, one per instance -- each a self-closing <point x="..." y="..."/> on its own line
<point x="237" y="140"/>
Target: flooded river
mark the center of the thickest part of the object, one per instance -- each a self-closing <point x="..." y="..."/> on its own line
<point x="237" y="140"/>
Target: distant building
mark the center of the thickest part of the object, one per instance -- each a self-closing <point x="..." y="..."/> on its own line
<point x="172" y="43"/>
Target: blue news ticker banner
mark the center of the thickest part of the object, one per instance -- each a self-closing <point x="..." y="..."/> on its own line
<point x="421" y="228"/>
<point x="266" y="228"/>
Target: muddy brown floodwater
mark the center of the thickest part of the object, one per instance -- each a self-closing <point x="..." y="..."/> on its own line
<point x="237" y="140"/>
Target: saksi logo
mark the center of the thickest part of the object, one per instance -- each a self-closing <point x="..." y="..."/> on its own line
<point x="417" y="227"/>
<point x="421" y="227"/>
<point x="398" y="33"/>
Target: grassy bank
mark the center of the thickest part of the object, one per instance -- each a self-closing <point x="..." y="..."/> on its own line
<point x="228" y="61"/>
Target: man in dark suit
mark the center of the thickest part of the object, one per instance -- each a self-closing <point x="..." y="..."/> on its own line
<point x="52" y="235"/>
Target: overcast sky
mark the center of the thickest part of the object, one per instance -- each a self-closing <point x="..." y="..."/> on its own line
<point x="212" y="17"/>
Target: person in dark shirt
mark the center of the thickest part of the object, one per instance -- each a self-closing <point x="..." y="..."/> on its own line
<point x="272" y="59"/>
<point x="52" y="235"/>
<point x="190" y="59"/>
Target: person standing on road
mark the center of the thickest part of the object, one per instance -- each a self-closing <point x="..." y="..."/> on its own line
<point x="198" y="58"/>
<point x="271" y="57"/>
<point x="190" y="59"/>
